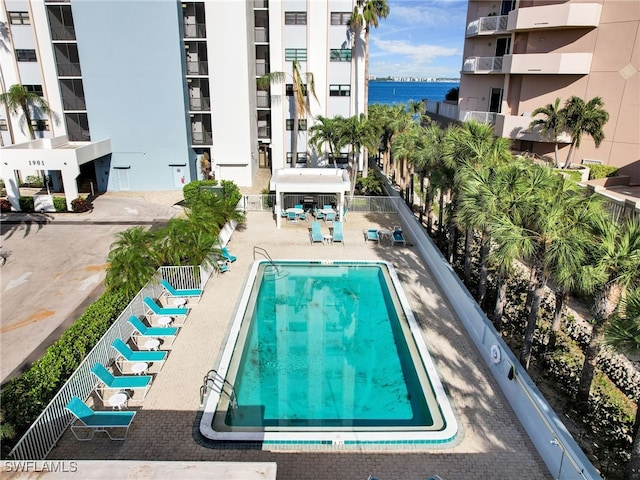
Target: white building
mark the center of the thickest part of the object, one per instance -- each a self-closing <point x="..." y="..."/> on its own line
<point x="140" y="90"/>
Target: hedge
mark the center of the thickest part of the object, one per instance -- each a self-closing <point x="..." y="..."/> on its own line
<point x="23" y="398"/>
<point x="230" y="190"/>
<point x="602" y="171"/>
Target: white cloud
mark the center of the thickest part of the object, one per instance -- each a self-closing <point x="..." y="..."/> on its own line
<point x="418" y="53"/>
<point x="424" y="14"/>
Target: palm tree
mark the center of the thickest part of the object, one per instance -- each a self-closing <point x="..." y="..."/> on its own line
<point x="326" y="131"/>
<point x="580" y="118"/>
<point x="303" y="83"/>
<point x="550" y="126"/>
<point x="623" y="334"/>
<point x="616" y="255"/>
<point x="358" y="133"/>
<point x="20" y="100"/>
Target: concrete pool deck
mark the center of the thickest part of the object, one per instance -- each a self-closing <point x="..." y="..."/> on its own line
<point x="491" y="442"/>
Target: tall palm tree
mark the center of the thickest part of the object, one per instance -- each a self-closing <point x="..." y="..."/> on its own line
<point x="584" y="118"/>
<point x="551" y="125"/>
<point x="303" y="83"/>
<point x="623" y="334"/>
<point x="20" y="100"/>
<point x="358" y="133"/>
<point x="615" y="253"/>
<point x="326" y="131"/>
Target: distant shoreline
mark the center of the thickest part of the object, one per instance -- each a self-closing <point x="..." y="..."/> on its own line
<point x="437" y="80"/>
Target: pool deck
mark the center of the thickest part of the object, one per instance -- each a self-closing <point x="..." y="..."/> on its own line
<point x="491" y="442"/>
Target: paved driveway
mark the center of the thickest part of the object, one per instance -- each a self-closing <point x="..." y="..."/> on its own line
<point x="57" y="268"/>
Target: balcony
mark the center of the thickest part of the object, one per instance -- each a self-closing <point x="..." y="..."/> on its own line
<point x="202" y="138"/>
<point x="444" y="109"/>
<point x="565" y="15"/>
<point x="264" y="131"/>
<point x="73" y="103"/>
<point x="516" y="127"/>
<point x="488" y="26"/>
<point x="531" y="63"/>
<point x="481" y="117"/>
<point x="197" y="68"/>
<point x="262" y="67"/>
<point x="69" y="70"/>
<point x="260" y="3"/>
<point x="63" y="33"/>
<point x="261" y="35"/>
<point x="198" y="30"/>
<point x="263" y="100"/>
<point x="200" y="104"/>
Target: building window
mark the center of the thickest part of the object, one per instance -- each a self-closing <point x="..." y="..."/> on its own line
<point x="26" y="55"/>
<point x="341" y="159"/>
<point x="289" y="90"/>
<point x="299" y="54"/>
<point x="37" y="89"/>
<point x="3" y="124"/>
<point x="19" y="18"/>
<point x="339" y="90"/>
<point x="295" y="18"/>
<point x="340" y="55"/>
<point x="300" y="158"/>
<point x="340" y="18"/>
<point x="302" y="124"/>
<point x="40" y="125"/>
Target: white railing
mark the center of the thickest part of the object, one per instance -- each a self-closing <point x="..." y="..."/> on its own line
<point x="259" y="203"/>
<point x="483" y="64"/>
<point x="488" y="25"/>
<point x="482" y="117"/>
<point x="448" y="110"/>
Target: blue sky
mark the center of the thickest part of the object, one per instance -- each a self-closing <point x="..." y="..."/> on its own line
<point x="419" y="38"/>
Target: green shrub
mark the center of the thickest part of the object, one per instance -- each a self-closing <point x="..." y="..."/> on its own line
<point x="231" y="191"/>
<point x="33" y="181"/>
<point x="572" y="174"/>
<point x="80" y="205"/>
<point x="26" y="204"/>
<point x="602" y="171"/>
<point x="23" y="398"/>
<point x="192" y="189"/>
<point x="60" y="204"/>
<point x="5" y="205"/>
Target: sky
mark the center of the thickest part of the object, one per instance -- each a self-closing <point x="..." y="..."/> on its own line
<point x="419" y="38"/>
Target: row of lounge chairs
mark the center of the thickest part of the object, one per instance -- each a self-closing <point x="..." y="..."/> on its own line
<point x="316" y="235"/>
<point x="395" y="237"/>
<point x="123" y="386"/>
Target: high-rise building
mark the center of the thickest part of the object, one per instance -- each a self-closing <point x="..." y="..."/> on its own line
<point x="523" y="54"/>
<point x="141" y="90"/>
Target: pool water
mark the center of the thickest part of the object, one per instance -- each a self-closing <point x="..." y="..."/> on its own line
<point x="325" y="347"/>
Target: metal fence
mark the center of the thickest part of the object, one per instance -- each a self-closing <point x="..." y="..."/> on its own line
<point x="45" y="431"/>
<point x="362" y="204"/>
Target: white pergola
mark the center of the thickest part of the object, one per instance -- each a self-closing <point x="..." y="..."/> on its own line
<point x="308" y="181"/>
<point x="49" y="154"/>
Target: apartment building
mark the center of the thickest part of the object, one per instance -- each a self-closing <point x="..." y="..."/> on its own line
<point x="523" y="54"/>
<point x="140" y="90"/>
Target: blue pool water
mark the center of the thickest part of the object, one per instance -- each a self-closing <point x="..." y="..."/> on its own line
<point x="328" y="351"/>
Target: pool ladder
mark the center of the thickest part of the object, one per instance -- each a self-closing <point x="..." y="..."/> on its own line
<point x="216" y="382"/>
<point x="265" y="254"/>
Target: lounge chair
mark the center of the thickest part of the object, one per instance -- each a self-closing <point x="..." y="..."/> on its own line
<point x="344" y="215"/>
<point x="88" y="419"/>
<point x="126" y="355"/>
<point x="227" y="256"/>
<point x="338" y="235"/>
<point x="316" y="233"/>
<point x="154" y="309"/>
<point x="371" y="234"/>
<point x="107" y="381"/>
<point x="398" y="237"/>
<point x="319" y="215"/>
<point x="173" y="292"/>
<point x="142" y="330"/>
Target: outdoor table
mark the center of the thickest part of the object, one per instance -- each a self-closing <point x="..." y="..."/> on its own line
<point x="164" y="321"/>
<point x="179" y="302"/>
<point x="385" y="235"/>
<point x="139" y="368"/>
<point x="118" y="400"/>
<point x="152" y="344"/>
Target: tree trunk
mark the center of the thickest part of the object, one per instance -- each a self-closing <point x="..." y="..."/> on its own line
<point x="294" y="146"/>
<point x="467" y="257"/>
<point x="27" y="118"/>
<point x="451" y="241"/>
<point x="532" y="319"/>
<point x="567" y="163"/>
<point x="500" y="301"/>
<point x="441" y="214"/>
<point x="532" y="283"/>
<point x="632" y="470"/>
<point x="557" y="319"/>
<point x="555" y="146"/>
<point x="484" y="267"/>
<point x="429" y="208"/>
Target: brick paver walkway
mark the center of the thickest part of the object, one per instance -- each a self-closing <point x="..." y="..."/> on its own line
<point x="491" y="442"/>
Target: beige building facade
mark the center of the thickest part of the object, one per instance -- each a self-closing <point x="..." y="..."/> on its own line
<point x="523" y="54"/>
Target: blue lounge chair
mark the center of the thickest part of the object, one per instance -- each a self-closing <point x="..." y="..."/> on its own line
<point x="154" y="309"/>
<point x="152" y="332"/>
<point x="227" y="256"/>
<point x="338" y="235"/>
<point x="371" y="234"/>
<point x="344" y="214"/>
<point x="88" y="419"/>
<point x="107" y="381"/>
<point x="398" y="237"/>
<point x="173" y="292"/>
<point x="222" y="266"/>
<point x="316" y="233"/>
<point x="126" y="355"/>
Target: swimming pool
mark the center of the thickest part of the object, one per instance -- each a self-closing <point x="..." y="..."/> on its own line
<point x="327" y="352"/>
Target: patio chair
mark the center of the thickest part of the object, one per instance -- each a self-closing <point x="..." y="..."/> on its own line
<point x="222" y="266"/>
<point x="125" y="355"/>
<point x="152" y="332"/>
<point x="329" y="217"/>
<point x="371" y="234"/>
<point x="315" y="233"/>
<point x="227" y="256"/>
<point x="152" y="308"/>
<point x="338" y="235"/>
<point x="327" y="207"/>
<point x="299" y="205"/>
<point x="88" y="419"/>
<point x="283" y="214"/>
<point x="319" y="215"/>
<point x="292" y="217"/>
<point x="173" y="292"/>
<point x="398" y="237"/>
<point x="107" y="381"/>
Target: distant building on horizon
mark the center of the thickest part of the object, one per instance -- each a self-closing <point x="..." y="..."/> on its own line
<point x="517" y="59"/>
